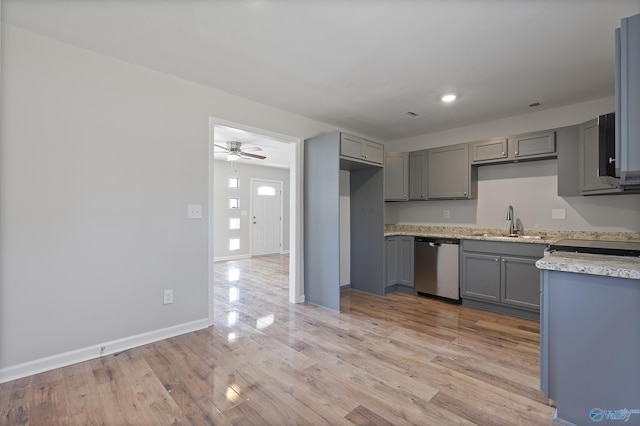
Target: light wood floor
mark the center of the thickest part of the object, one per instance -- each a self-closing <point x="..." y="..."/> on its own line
<point x="398" y="360"/>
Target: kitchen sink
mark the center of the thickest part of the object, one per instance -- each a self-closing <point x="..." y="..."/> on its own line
<point x="507" y="235"/>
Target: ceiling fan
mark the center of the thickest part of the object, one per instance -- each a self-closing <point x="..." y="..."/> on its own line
<point x="235" y="153"/>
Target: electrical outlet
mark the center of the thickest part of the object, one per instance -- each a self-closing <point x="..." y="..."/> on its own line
<point x="168" y="297"/>
<point x="194" y="211"/>
<point x="560" y="214"/>
<point x="447" y="213"/>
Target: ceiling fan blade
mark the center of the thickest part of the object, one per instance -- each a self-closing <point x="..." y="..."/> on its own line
<point x="252" y="148"/>
<point x="259" y="157"/>
<point x="220" y="146"/>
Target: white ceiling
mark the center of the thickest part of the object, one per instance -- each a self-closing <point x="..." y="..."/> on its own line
<point x="355" y="64"/>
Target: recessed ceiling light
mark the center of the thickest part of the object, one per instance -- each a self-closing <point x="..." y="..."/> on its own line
<point x="449" y="97"/>
<point x="411" y="114"/>
<point x="535" y="104"/>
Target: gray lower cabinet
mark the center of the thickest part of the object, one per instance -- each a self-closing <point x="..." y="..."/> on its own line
<point x="399" y="261"/>
<point x="501" y="277"/>
<point x="588" y="153"/>
<point x="418" y="175"/>
<point x="449" y="173"/>
<point x="396" y="176"/>
<point x="589" y="346"/>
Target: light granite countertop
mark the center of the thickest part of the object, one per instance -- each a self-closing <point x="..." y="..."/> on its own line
<point x="536" y="236"/>
<point x="592" y="264"/>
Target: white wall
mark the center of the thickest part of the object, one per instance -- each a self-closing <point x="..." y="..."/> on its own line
<point x="98" y="161"/>
<point x="221" y="213"/>
<point x="530" y="187"/>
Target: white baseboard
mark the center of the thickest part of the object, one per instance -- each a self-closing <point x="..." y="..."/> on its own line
<point x="84" y="354"/>
<point x="223" y="258"/>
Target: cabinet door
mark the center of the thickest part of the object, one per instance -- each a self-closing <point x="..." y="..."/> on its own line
<point x="405" y="261"/>
<point x="520" y="282"/>
<point x="373" y="152"/>
<point x="533" y="145"/>
<point x="396" y="176"/>
<point x="489" y="151"/>
<point x="481" y="276"/>
<point x="588" y="151"/>
<point x="350" y="146"/>
<point x="448" y="172"/>
<point x="628" y="100"/>
<point x="392" y="263"/>
<point x="361" y="149"/>
<point x="418" y="175"/>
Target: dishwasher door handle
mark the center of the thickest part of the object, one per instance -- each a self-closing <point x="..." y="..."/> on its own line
<point x="432" y="244"/>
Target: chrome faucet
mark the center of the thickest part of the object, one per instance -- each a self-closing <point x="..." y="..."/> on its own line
<point x="512" y="228"/>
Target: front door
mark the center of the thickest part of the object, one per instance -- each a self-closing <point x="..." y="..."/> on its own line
<point x="266" y="217"/>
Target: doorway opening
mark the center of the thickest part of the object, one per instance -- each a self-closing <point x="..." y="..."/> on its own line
<point x="271" y="158"/>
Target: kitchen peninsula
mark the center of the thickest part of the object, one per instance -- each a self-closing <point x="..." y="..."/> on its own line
<point x="590" y="335"/>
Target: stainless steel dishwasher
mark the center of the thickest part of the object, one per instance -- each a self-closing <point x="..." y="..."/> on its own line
<point x="436" y="267"/>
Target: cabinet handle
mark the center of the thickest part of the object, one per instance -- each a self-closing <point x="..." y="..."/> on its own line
<point x="503" y="260"/>
<point x="612" y="160"/>
<point x="503" y="154"/>
<point x="516" y="153"/>
<point x="497" y="259"/>
<point x="421" y="195"/>
<point x="464" y="193"/>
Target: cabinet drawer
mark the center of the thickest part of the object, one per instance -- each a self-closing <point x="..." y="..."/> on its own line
<point x="504" y="248"/>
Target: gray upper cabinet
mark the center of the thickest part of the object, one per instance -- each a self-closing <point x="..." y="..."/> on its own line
<point x="489" y="151"/>
<point x="535" y="145"/>
<point x="361" y="149"/>
<point x="588" y="146"/>
<point x="418" y="175"/>
<point x="523" y="147"/>
<point x="628" y="101"/>
<point x="396" y="176"/>
<point x="449" y="174"/>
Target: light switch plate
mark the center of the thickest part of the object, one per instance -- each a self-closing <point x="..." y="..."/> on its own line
<point x="559" y="214"/>
<point x="194" y="211"/>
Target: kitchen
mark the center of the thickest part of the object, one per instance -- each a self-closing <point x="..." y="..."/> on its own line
<point x="154" y="154"/>
<point x="500" y="271"/>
